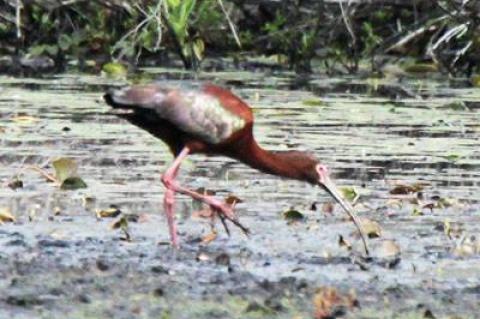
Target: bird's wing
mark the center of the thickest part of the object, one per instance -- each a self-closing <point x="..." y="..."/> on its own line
<point x="197" y="112"/>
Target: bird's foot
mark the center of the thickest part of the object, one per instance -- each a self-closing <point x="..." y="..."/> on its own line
<point x="225" y="212"/>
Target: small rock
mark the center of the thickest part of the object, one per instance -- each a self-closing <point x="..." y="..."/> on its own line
<point x="83" y="298"/>
<point x="158" y="269"/>
<point x="102" y="265"/>
<point x="158" y="292"/>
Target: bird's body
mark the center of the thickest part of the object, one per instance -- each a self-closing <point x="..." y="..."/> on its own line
<point x="211" y="120"/>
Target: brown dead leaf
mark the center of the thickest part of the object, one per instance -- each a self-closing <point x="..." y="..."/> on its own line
<point x="207" y="239"/>
<point x="404" y="189"/>
<point x="342" y="242"/>
<point x="328" y="302"/>
<point x="232" y="200"/>
<point x="110" y="212"/>
<point x="6" y="216"/>
<point x="15" y="183"/>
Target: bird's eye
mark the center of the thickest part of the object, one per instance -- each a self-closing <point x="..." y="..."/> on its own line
<point x="322" y="169"/>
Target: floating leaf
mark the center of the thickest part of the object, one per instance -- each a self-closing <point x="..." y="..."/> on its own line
<point x="111" y="212"/>
<point x="349" y="193"/>
<point x="417" y="212"/>
<point x="66" y="174"/>
<point x="404" y="189"/>
<point x="293" y="215"/>
<point x="452" y="157"/>
<point x="65" y="168"/>
<point x="371" y="228"/>
<point x="421" y="68"/>
<point x="6" y="216"/>
<point x="312" y="102"/>
<point x="122" y="224"/>
<point x="453" y="229"/>
<point x="73" y="183"/>
<point x="24" y="119"/>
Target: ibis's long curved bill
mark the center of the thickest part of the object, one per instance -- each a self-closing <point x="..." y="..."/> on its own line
<point x="332" y="189"/>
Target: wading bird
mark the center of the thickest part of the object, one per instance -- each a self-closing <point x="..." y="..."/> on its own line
<point x="212" y="120"/>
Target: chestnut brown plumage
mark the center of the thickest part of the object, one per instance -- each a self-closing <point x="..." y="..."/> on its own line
<point x="212" y="120"/>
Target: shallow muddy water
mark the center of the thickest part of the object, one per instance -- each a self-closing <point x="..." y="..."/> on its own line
<point x="57" y="260"/>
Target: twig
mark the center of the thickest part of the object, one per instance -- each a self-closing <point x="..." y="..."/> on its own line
<point x="43" y="173"/>
<point x="347" y="22"/>
<point x="18" y="18"/>
<point x="230" y="23"/>
<point x="415" y="33"/>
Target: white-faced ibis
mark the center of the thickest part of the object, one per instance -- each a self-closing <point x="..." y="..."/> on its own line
<point x="212" y="120"/>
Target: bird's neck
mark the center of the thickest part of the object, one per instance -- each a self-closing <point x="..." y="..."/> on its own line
<point x="289" y="164"/>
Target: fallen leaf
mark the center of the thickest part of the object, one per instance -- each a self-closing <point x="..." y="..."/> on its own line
<point x="329" y="303"/>
<point x="421" y="68"/>
<point x="350" y="194"/>
<point x="111" y="212"/>
<point x="312" y="102"/>
<point x="24" y="119"/>
<point x="122" y="224"/>
<point x="73" y="183"/>
<point x="403" y="189"/>
<point x="342" y="242"/>
<point x="293" y="215"/>
<point x="417" y="212"/>
<point x="233" y="200"/>
<point x="207" y="239"/>
<point x="371" y="228"/>
<point x="452" y="157"/>
<point x="6" y="216"/>
<point x="65" y="168"/>
<point x="453" y="229"/>
<point x="15" y="183"/>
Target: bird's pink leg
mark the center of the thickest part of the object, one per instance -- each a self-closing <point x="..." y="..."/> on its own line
<point x="168" y="179"/>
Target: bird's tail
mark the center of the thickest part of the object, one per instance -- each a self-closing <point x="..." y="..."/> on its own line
<point x="133" y="97"/>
